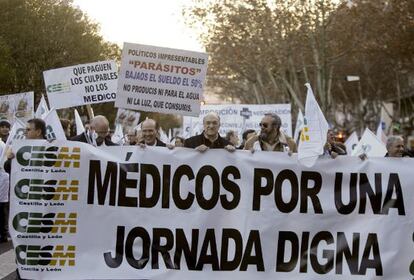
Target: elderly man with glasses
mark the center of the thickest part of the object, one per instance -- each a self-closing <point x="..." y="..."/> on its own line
<point x="271" y="138"/>
<point x="98" y="133"/>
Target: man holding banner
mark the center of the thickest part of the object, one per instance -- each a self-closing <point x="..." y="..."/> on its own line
<point x="149" y="129"/>
<point x="209" y="138"/>
<point x="98" y="134"/>
<point x="332" y="147"/>
<point x="35" y="130"/>
<point x="271" y="138"/>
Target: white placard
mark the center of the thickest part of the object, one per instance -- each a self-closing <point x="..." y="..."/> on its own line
<point x="238" y="117"/>
<point x="128" y="119"/>
<point x="163" y="80"/>
<point x="82" y="84"/>
<point x="19" y="105"/>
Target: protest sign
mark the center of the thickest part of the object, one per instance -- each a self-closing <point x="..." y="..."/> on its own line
<point x="128" y="119"/>
<point x="42" y="109"/>
<point x="118" y="135"/>
<point x="54" y="129"/>
<point x="17" y="133"/>
<point x="78" y="212"/>
<point x="18" y="105"/>
<point x="78" y="123"/>
<point x="351" y="143"/>
<point x="163" y="80"/>
<point x="370" y="145"/>
<point x="238" y="117"/>
<point x="82" y="84"/>
<point x="380" y="132"/>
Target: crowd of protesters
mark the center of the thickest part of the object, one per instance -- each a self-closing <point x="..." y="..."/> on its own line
<point x="97" y="133"/>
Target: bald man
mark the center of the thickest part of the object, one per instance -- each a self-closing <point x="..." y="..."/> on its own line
<point x="149" y="129"/>
<point x="210" y="138"/>
<point x="98" y="133"/>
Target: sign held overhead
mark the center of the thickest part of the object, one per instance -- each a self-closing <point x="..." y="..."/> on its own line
<point x="81" y="84"/>
<point x="162" y="80"/>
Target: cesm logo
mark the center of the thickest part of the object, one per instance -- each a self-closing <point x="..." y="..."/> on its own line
<point x="38" y="189"/>
<point x="45" y="223"/>
<point x="59" y="87"/>
<point x="48" y="157"/>
<point x="46" y="256"/>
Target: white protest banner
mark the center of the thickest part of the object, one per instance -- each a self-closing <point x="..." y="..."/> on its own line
<point x="370" y="145"/>
<point x="42" y="109"/>
<point x="128" y="119"/>
<point x="238" y="117"/>
<point x="18" y="105"/>
<point x="163" y="80"/>
<point x="299" y="125"/>
<point x="82" y="84"/>
<point x="351" y="143"/>
<point x="78" y="123"/>
<point x="380" y="132"/>
<point x="17" y="132"/>
<point x="118" y="136"/>
<point x="78" y="212"/>
<point x="54" y="129"/>
<point x="314" y="132"/>
<point x="163" y="136"/>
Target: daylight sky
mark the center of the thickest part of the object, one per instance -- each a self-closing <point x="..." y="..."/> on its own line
<point x="151" y="22"/>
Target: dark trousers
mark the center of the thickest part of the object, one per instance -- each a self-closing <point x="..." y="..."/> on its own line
<point x="4" y="219"/>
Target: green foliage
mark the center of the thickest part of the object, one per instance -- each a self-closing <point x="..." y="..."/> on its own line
<point x="38" y="35"/>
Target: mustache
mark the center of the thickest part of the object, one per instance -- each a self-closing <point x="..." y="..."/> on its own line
<point x="263" y="136"/>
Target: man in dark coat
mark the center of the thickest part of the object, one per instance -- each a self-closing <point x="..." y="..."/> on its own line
<point x="210" y="137"/>
<point x="98" y="133"/>
<point x="149" y="129"/>
<point x="332" y="147"/>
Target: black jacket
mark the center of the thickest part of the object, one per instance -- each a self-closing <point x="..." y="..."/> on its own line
<point x="158" y="144"/>
<point x="82" y="138"/>
<point x="195" y="141"/>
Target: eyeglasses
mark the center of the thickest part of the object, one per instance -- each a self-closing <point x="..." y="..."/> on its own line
<point x="211" y="123"/>
<point x="265" y="125"/>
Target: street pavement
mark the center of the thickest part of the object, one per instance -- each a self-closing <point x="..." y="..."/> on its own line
<point x="7" y="262"/>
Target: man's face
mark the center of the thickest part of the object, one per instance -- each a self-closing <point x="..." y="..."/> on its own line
<point x="330" y="137"/>
<point x="4" y="130"/>
<point x="266" y="127"/>
<point x="149" y="132"/>
<point x="131" y="136"/>
<point x="396" y="149"/>
<point x="101" y="129"/>
<point x="31" y="132"/>
<point x="211" y="125"/>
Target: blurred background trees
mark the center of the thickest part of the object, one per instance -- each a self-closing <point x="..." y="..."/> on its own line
<point x="38" y="35"/>
<point x="261" y="51"/>
<point x="264" y="51"/>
